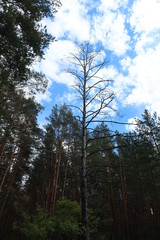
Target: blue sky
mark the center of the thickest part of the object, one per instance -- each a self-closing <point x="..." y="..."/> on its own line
<point x="129" y="32"/>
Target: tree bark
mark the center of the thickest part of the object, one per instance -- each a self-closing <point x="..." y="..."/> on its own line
<point x="57" y="177"/>
<point x="84" y="202"/>
<point x="9" y="164"/>
<point x="66" y="170"/>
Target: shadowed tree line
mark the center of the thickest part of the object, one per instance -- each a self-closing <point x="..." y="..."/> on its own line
<point x="122" y="172"/>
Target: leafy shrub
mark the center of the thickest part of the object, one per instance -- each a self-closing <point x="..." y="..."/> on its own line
<point x="64" y="225"/>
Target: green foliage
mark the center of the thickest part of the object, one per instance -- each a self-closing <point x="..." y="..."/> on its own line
<point x="93" y="221"/>
<point x="33" y="227"/>
<point x="23" y="40"/>
<point x="65" y="224"/>
<point x="104" y="225"/>
<point x="22" y="36"/>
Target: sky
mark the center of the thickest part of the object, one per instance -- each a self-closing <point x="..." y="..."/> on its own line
<point x="129" y="33"/>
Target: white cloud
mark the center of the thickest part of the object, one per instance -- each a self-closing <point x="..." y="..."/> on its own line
<point x="132" y="35"/>
<point x="71" y="21"/>
<point x="145" y="24"/>
<point x="44" y="96"/>
<point x="55" y="62"/>
<point x="118" y="38"/>
<point x="68" y="98"/>
<point x="111" y="72"/>
<point x="145" y="72"/>
<point x="141" y="83"/>
<point x="145" y="16"/>
<point x="131" y="121"/>
<point x="112" y="5"/>
<point x="143" y="43"/>
<point x="125" y="63"/>
<point x="122" y="87"/>
<point x="109" y="28"/>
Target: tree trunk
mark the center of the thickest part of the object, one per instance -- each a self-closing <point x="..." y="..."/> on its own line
<point x="84" y="202"/>
<point x="54" y="179"/>
<point x="3" y="147"/>
<point x="9" y="165"/>
<point x="111" y="196"/>
<point x="56" y="176"/>
<point x="6" y="139"/>
<point x="124" y="193"/>
<point x="65" y="173"/>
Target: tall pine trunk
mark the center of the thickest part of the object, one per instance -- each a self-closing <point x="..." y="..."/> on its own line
<point x="84" y="202"/>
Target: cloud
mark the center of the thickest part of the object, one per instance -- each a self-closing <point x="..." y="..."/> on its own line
<point x="77" y="20"/>
<point x="144" y="21"/>
<point x="139" y="80"/>
<point x="71" y="21"/>
<point x="131" y="127"/>
<point x="131" y="33"/>
<point x="145" y="17"/>
<point x="68" y="98"/>
<point x="109" y="29"/>
<point x="44" y="96"/>
<point x="55" y="62"/>
<point x="117" y="38"/>
<point x="145" y="73"/>
<point x="112" y="5"/>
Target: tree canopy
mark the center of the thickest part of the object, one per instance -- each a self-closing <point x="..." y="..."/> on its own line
<point x="23" y="37"/>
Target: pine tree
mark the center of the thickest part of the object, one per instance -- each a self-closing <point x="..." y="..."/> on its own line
<point x="95" y="99"/>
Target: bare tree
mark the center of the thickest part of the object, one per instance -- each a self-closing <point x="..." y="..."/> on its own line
<point x="88" y="67"/>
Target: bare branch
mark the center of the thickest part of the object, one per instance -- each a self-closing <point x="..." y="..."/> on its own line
<point x="100" y="66"/>
<point x="74" y="73"/>
<point x="99" y="92"/>
<point x="112" y="136"/>
<point x="96" y="83"/>
<point x="110" y="121"/>
<point x="77" y="58"/>
<point x="94" y="115"/>
<point x="78" y="89"/>
<point x="75" y="107"/>
<point x="97" y="112"/>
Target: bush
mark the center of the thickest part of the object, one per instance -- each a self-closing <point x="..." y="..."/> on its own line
<point x="64" y="225"/>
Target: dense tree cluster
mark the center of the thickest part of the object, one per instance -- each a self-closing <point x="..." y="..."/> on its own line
<point x="72" y="179"/>
<point x="122" y="173"/>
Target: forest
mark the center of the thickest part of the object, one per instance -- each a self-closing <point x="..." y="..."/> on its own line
<point x="75" y="178"/>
